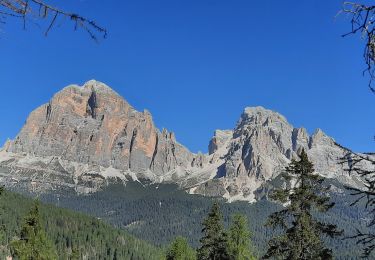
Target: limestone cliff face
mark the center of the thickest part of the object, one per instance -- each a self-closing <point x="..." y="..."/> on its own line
<point x="92" y="124"/>
<point x="219" y="140"/>
<point x="259" y="132"/>
<point x="264" y="142"/>
<point x="85" y="135"/>
<point x="260" y="147"/>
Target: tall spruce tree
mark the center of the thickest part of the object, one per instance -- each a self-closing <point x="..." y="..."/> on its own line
<point x="180" y="250"/>
<point x="214" y="240"/>
<point x="33" y="243"/>
<point x="302" y="231"/>
<point x="239" y="246"/>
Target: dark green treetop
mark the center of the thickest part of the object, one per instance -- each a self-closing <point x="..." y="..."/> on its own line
<point x="33" y="243"/>
<point x="239" y="246"/>
<point x="214" y="240"/>
<point x="180" y="250"/>
<point x="301" y="237"/>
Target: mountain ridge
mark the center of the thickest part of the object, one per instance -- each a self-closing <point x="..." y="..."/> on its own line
<point x="88" y="134"/>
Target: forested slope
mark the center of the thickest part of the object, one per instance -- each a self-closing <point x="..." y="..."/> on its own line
<point x="159" y="213"/>
<point x="75" y="235"/>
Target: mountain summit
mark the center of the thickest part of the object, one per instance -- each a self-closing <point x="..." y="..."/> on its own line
<point x="93" y="125"/>
<point x="88" y="134"/>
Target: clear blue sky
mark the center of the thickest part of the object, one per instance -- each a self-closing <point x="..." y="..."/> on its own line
<point x="196" y="64"/>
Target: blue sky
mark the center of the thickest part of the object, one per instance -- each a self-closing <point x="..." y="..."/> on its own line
<point x="196" y="64"/>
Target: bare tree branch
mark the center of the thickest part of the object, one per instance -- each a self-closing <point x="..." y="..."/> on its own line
<point x="364" y="166"/>
<point x="362" y="19"/>
<point x="41" y="10"/>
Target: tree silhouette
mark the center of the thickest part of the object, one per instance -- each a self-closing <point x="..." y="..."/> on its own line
<point x="362" y="19"/>
<point x="214" y="240"/>
<point x="36" y="11"/>
<point x="33" y="243"/>
<point x="302" y="231"/>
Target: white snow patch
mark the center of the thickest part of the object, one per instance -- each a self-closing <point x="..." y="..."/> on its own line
<point x="111" y="172"/>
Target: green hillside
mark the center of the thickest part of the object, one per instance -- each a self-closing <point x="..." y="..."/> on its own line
<point x="159" y="213"/>
<point x="87" y="237"/>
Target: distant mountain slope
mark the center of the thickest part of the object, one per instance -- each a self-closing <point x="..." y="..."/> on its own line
<point x="86" y="135"/>
<point x="159" y="212"/>
<point x="89" y="237"/>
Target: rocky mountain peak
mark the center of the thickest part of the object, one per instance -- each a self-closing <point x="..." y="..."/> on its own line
<point x="220" y="138"/>
<point x="262" y="145"/>
<point x="320" y="138"/>
<point x="99" y="87"/>
<point x="300" y="139"/>
<point x="92" y="124"/>
<point x="261" y="116"/>
<point x="88" y="133"/>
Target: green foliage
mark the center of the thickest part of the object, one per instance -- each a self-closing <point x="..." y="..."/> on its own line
<point x="180" y="250"/>
<point x="33" y="243"/>
<point x="214" y="240"/>
<point x="157" y="213"/>
<point x="3" y="249"/>
<point x="74" y="235"/>
<point x="239" y="237"/>
<point x="216" y="243"/>
<point x="302" y="231"/>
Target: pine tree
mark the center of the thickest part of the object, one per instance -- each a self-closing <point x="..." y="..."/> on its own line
<point x="180" y="250"/>
<point x="302" y="231"/>
<point x="239" y="246"/>
<point x="214" y="240"/>
<point x="33" y="243"/>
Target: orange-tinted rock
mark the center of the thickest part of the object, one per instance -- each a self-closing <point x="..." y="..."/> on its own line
<point x="93" y="124"/>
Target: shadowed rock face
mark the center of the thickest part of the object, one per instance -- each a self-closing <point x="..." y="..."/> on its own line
<point x="218" y="140"/>
<point x="264" y="142"/>
<point x="94" y="125"/>
<point x="260" y="147"/>
<point x="87" y="134"/>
